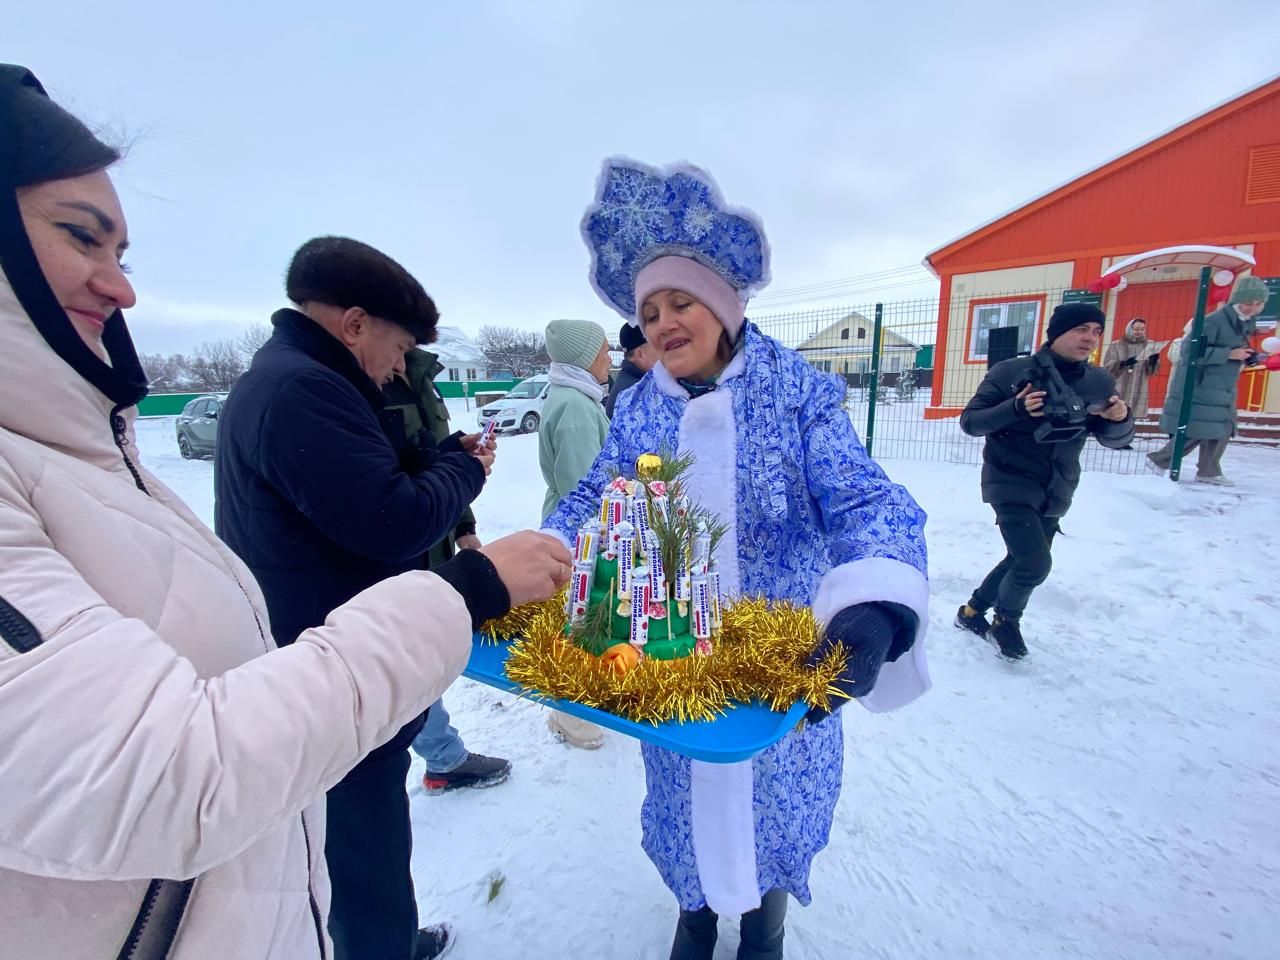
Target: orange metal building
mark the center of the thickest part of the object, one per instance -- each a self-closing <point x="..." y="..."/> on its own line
<point x="1213" y="180"/>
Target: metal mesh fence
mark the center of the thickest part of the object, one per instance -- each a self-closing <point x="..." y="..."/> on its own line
<point x="931" y="355"/>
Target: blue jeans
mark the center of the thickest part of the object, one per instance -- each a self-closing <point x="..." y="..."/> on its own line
<point x="439" y="743"/>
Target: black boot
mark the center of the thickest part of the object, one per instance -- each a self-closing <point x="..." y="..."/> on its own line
<point x="762" y="928"/>
<point x="1006" y="636"/>
<point x="695" y="935"/>
<point x="967" y="618"/>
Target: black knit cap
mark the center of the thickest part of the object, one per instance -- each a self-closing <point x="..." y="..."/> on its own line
<point x="630" y="337"/>
<point x="346" y="273"/>
<point x="1068" y="316"/>
<point x="41" y="142"/>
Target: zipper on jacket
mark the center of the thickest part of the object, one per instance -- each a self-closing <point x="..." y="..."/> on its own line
<point x="152" y="935"/>
<point x="311" y="894"/>
<point x="121" y="437"/>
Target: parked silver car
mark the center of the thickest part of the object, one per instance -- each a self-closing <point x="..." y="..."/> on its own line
<point x="197" y="427"/>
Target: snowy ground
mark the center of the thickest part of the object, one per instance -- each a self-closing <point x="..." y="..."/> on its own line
<point x="1115" y="797"/>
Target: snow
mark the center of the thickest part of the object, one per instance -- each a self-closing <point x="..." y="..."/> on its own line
<point x="455" y="349"/>
<point x="1114" y="797"/>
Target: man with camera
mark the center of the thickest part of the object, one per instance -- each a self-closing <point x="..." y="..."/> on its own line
<point x="1036" y="413"/>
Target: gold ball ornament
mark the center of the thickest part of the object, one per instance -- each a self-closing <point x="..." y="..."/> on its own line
<point x="648" y="465"/>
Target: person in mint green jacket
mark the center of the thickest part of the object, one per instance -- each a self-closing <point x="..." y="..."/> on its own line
<point x="573" y="420"/>
<point x="569" y="440"/>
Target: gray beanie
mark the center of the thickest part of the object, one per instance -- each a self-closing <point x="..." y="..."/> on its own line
<point x="575" y="342"/>
<point x="1249" y="290"/>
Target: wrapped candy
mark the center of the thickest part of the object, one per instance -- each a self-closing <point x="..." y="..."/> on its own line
<point x="657" y="572"/>
<point x="615" y="513"/>
<point x="658" y="494"/>
<point x="587" y="545"/>
<point x="626" y="556"/>
<point x="717" y="599"/>
<point x="702" y="623"/>
<point x="701" y="550"/>
<point x="580" y="590"/>
<point x="641" y="597"/>
<point x="640" y="517"/>
<point x="683" y="572"/>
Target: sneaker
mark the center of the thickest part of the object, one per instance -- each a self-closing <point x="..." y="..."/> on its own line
<point x="1218" y="481"/>
<point x="1006" y="636"/>
<point x="970" y="619"/>
<point x="582" y="734"/>
<point x="434" y="941"/>
<point x="475" y="771"/>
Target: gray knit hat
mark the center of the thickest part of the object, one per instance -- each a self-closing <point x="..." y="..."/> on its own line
<point x="575" y="342"/>
<point x="1249" y="290"/>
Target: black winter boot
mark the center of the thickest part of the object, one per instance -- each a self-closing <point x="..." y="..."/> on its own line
<point x="972" y="620"/>
<point x="762" y="928"/>
<point x="475" y="771"/>
<point x="1006" y="636"/>
<point x="696" y="934"/>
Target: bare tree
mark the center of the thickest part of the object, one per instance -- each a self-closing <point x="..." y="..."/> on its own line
<point x="252" y="339"/>
<point x="520" y="351"/>
<point x="165" y="373"/>
<point x="215" y="365"/>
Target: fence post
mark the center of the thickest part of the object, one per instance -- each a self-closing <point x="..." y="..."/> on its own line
<point x="875" y="378"/>
<point x="1194" y="347"/>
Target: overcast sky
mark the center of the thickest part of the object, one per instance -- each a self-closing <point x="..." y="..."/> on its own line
<point x="464" y="139"/>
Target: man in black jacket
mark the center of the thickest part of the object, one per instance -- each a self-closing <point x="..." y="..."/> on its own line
<point x="637" y="360"/>
<point x="414" y="397"/>
<point x="321" y="502"/>
<point x="1036" y="413"/>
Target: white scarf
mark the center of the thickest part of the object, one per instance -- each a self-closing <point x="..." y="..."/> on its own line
<point x="567" y="375"/>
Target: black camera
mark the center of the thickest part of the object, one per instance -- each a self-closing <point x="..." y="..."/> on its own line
<point x="1064" y="411"/>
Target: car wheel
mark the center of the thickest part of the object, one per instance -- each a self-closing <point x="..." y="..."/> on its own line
<point x="184" y="446"/>
<point x="529" y="423"/>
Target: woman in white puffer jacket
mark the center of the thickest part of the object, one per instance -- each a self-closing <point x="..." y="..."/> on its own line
<point x="163" y="763"/>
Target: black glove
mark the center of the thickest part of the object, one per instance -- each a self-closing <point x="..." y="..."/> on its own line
<point x="1153" y="361"/>
<point x="1131" y="362"/>
<point x="867" y="631"/>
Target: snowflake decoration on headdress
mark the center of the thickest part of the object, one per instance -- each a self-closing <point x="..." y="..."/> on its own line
<point x="641" y="213"/>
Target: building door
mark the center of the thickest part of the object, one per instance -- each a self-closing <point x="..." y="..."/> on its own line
<point x="1166" y="307"/>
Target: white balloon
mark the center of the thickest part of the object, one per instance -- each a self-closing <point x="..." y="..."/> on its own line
<point x="1271" y="344"/>
<point x="1223" y="278"/>
<point x="1124" y="282"/>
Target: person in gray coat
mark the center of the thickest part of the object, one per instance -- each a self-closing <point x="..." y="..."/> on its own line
<point x="1213" y="401"/>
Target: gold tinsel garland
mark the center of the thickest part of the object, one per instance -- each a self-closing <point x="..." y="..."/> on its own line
<point x="761" y="654"/>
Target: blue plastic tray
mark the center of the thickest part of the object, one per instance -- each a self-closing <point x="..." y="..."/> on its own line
<point x="744" y="730"/>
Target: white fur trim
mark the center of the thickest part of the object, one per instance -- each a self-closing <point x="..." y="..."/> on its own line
<point x="723" y="815"/>
<point x="708" y="431"/>
<point x="724" y="835"/>
<point x="669" y="386"/>
<point x="892" y="581"/>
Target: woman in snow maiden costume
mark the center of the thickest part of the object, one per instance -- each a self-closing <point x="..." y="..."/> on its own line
<point x="810" y="517"/>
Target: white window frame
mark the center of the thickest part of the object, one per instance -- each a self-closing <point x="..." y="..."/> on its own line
<point x="999" y="317"/>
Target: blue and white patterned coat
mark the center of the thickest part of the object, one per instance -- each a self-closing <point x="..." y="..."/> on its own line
<point x="811" y="519"/>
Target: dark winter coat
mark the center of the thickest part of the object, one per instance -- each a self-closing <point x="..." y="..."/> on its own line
<point x="417" y="400"/>
<point x="1213" y="401"/>
<point x="627" y="378"/>
<point x="310" y="491"/>
<point x="1017" y="469"/>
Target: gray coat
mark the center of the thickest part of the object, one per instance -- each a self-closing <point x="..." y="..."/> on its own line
<point x="1213" y="401"/>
